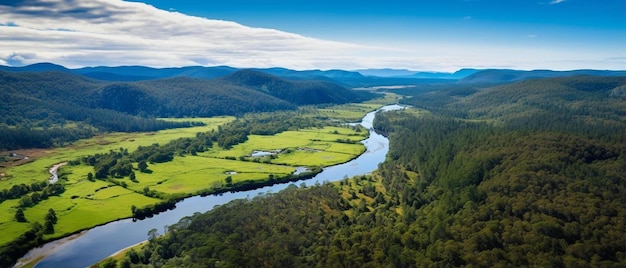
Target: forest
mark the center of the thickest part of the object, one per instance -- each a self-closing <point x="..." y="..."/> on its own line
<point x="530" y="173"/>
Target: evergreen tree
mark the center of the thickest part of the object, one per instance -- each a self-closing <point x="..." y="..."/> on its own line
<point x="19" y="215"/>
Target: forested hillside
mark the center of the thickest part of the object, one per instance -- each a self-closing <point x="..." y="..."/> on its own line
<point x="298" y="92"/>
<point x="43" y="109"/>
<point x="511" y="176"/>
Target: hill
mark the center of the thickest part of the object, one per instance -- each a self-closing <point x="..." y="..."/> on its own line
<point x="295" y="91"/>
<point x="557" y="103"/>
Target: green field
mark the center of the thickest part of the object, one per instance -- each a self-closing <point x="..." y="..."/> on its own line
<point x="190" y="174"/>
<point x="38" y="170"/>
<point x="322" y="142"/>
<point x="86" y="203"/>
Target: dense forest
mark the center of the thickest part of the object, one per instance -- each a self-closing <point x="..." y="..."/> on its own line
<point x="523" y="174"/>
<point x="53" y="108"/>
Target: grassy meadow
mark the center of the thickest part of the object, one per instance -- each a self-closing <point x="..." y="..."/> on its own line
<point x="37" y="170"/>
<point x="85" y="203"/>
<point x="190" y="174"/>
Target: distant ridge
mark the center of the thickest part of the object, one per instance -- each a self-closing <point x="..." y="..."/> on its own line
<point x="505" y="75"/>
<point x="357" y="78"/>
<point x="142" y="73"/>
<point x="37" y="67"/>
<point x="404" y="73"/>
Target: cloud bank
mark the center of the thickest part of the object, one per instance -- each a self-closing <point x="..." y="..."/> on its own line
<point x="112" y="32"/>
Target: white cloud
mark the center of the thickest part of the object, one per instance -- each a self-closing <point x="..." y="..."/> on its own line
<point x="112" y="32"/>
<point x="557" y="1"/>
<point x="77" y="33"/>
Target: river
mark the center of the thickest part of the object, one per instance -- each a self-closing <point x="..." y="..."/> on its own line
<point x="90" y="246"/>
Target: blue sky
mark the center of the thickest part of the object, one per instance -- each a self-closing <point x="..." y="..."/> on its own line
<point x="434" y="35"/>
<point x="367" y="20"/>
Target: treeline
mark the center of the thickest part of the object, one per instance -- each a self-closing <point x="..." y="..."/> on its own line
<point x="19" y="190"/>
<point x="24" y="137"/>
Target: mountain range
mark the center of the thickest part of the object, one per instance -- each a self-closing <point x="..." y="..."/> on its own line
<point x="356" y="78"/>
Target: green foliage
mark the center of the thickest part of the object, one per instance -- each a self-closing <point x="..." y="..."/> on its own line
<point x="51" y="216"/>
<point x="19" y="215"/>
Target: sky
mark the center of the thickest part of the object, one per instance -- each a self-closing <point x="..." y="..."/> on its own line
<point x="419" y="35"/>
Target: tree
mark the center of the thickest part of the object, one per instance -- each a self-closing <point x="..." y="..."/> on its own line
<point x="19" y="215"/>
<point x="125" y="263"/>
<point x="109" y="263"/>
<point x="133" y="256"/>
<point x="26" y="201"/>
<point x="48" y="227"/>
<point x="142" y="165"/>
<point x="229" y="181"/>
<point x="90" y="176"/>
<point x="153" y="234"/>
<point x="51" y="216"/>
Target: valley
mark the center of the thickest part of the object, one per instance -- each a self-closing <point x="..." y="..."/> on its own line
<point x="466" y="163"/>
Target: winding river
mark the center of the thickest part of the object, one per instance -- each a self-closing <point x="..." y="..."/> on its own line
<point x="90" y="246"/>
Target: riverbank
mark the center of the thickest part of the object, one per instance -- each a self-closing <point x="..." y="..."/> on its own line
<point x="37" y="254"/>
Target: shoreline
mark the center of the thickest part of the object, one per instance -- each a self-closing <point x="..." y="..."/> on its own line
<point x="37" y="254"/>
<point x="126" y="248"/>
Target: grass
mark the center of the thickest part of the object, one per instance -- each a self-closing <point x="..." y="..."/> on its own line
<point x="349" y="112"/>
<point x="190" y="174"/>
<point x="321" y="142"/>
<point x="83" y="211"/>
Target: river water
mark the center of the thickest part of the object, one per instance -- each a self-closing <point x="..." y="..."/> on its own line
<point x="99" y="242"/>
